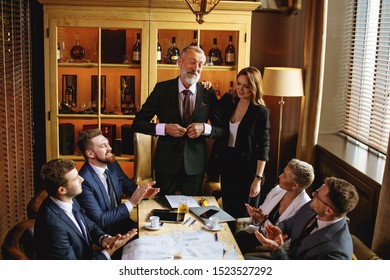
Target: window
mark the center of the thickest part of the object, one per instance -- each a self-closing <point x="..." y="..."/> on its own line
<point x="367" y="91"/>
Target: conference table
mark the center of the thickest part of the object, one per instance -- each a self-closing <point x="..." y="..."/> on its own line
<point x="225" y="236"/>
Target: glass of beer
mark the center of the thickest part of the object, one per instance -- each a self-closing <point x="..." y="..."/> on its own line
<point x="183" y="205"/>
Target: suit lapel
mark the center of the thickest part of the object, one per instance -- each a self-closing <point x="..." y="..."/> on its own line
<point x="63" y="216"/>
<point x="175" y="99"/>
<point x="101" y="189"/>
<point x="198" y="101"/>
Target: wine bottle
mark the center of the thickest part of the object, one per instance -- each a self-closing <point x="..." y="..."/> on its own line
<point x="230" y="53"/>
<point x="173" y="53"/>
<point x="128" y="105"/>
<point x="70" y="91"/>
<point x="195" y="40"/>
<point x="137" y="50"/>
<point x="77" y="51"/>
<point x="215" y="54"/>
<point x="159" y="51"/>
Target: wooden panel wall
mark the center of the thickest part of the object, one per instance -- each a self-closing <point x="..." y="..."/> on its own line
<point x="362" y="218"/>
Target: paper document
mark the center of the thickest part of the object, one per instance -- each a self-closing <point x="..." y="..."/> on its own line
<point x="194" y="245"/>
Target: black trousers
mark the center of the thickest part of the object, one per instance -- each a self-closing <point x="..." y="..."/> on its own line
<point x="180" y="182"/>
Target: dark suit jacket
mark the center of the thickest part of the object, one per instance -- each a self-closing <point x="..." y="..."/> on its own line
<point x="57" y="237"/>
<point x="331" y="242"/>
<point x="252" y="142"/>
<point x="170" y="151"/>
<point x="94" y="199"/>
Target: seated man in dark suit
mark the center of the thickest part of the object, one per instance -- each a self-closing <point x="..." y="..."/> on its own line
<point x="104" y="183"/>
<point x="62" y="231"/>
<point x="319" y="230"/>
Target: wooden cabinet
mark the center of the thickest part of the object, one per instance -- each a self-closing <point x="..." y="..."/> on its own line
<point x="91" y="77"/>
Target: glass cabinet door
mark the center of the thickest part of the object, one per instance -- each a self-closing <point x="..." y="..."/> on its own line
<point x="99" y="74"/>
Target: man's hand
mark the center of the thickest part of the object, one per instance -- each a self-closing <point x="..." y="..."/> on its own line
<point x="174" y="130"/>
<point x="139" y="194"/>
<point x="194" y="130"/>
<point x="256" y="213"/>
<point x="270" y="244"/>
<point x="151" y="192"/>
<point x="113" y="243"/>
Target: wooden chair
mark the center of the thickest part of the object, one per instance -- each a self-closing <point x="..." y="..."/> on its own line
<point x="144" y="146"/>
<point x="19" y="242"/>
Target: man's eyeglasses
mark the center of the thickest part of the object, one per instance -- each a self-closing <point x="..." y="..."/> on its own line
<point x="315" y="194"/>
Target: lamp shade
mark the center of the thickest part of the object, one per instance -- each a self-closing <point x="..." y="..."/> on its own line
<point x="282" y="81"/>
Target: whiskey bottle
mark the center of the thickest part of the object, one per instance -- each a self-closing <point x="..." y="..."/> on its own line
<point x="70" y="92"/>
<point x="159" y="50"/>
<point x="137" y="50"/>
<point x="215" y="54"/>
<point x="128" y="105"/>
<point x="77" y="51"/>
<point x="195" y="40"/>
<point x="173" y="53"/>
<point x="230" y="53"/>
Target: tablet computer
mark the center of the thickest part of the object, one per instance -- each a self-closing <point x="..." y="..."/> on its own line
<point x="168" y="216"/>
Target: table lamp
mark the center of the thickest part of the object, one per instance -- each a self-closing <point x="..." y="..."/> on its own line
<point x="282" y="82"/>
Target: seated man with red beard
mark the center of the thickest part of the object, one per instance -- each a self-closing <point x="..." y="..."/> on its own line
<point x="104" y="183"/>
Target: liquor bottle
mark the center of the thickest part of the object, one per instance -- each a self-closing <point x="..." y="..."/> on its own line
<point x="195" y="40"/>
<point x="215" y="54"/>
<point x="137" y="50"/>
<point x="173" y="53"/>
<point x="70" y="93"/>
<point x="77" y="51"/>
<point x="58" y="53"/>
<point x="230" y="53"/>
<point x="159" y="51"/>
<point x="128" y="105"/>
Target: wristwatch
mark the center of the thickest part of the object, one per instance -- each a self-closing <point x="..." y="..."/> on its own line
<point x="102" y="238"/>
<point x="260" y="178"/>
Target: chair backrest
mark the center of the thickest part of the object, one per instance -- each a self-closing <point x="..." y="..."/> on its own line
<point x="34" y="204"/>
<point x="19" y="242"/>
<point x="144" y="146"/>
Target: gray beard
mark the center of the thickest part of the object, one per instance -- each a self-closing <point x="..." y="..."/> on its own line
<point x="192" y="80"/>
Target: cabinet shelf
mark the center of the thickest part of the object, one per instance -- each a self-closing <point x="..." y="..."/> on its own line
<point x="78" y="65"/>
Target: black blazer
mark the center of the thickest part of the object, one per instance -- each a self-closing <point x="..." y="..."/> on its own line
<point x="170" y="152"/>
<point x="252" y="142"/>
<point x="57" y="237"/>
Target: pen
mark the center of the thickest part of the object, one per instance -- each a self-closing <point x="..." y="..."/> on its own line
<point x="216" y="236"/>
<point x="193" y="222"/>
<point x="186" y="221"/>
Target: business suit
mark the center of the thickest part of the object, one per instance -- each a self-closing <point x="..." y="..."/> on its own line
<point x="238" y="164"/>
<point x="176" y="155"/>
<point x="57" y="237"/>
<point x="96" y="203"/>
<point x="331" y="242"/>
<point x="246" y="238"/>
